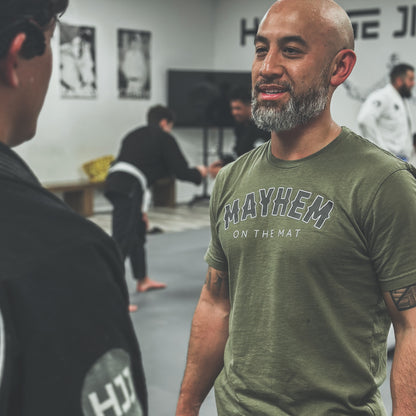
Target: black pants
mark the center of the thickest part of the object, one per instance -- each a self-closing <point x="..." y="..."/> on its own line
<point x="129" y="229"/>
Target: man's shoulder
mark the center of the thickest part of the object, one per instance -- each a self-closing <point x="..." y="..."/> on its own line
<point x="253" y="155"/>
<point x="152" y="132"/>
<point x="361" y="153"/>
<point x="136" y="132"/>
<point x="37" y="225"/>
<point x="362" y="147"/>
<point x="145" y="135"/>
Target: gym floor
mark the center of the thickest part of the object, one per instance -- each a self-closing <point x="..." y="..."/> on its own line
<point x="163" y="319"/>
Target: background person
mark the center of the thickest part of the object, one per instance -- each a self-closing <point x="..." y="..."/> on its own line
<point x="384" y="117"/>
<point x="147" y="154"/>
<point x="65" y="331"/>
<point x="308" y="261"/>
<point x="247" y="135"/>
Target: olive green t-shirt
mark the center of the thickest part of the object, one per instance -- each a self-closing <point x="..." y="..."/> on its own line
<point x="310" y="245"/>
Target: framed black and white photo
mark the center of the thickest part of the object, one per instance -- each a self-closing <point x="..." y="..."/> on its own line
<point x="134" y="64"/>
<point x="78" y="72"/>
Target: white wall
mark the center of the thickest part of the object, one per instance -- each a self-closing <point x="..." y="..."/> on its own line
<point x="229" y="54"/>
<point x="73" y="131"/>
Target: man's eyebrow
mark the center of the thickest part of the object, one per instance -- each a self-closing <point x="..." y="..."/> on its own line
<point x="259" y="38"/>
<point x="294" y="38"/>
<point x="282" y="41"/>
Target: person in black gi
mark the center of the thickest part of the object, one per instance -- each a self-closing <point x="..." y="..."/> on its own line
<point x="64" y="349"/>
<point x="147" y="154"/>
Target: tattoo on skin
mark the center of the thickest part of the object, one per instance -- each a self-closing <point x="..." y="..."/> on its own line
<point x="404" y="298"/>
<point x="217" y="282"/>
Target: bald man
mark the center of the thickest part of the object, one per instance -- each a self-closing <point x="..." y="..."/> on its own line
<point x="308" y="263"/>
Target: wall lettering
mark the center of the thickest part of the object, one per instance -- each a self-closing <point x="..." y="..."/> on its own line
<point x="408" y="22"/>
<point x="248" y="32"/>
<point x="364" y="24"/>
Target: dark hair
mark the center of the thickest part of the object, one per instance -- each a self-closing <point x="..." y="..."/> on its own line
<point x="240" y="93"/>
<point x="158" y="113"/>
<point x="31" y="17"/>
<point x="400" y="71"/>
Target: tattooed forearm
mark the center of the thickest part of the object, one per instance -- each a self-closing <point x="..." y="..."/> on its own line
<point x="217" y="282"/>
<point x="404" y="298"/>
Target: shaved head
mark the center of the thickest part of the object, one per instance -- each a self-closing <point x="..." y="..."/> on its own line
<point x="326" y="16"/>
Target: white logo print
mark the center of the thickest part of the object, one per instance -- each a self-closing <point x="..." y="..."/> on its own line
<point x="281" y="202"/>
<point x="108" y="387"/>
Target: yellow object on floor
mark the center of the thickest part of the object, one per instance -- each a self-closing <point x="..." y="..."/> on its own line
<point x="97" y="169"/>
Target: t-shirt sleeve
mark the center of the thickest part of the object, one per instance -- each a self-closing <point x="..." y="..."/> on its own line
<point x="215" y="256"/>
<point x="391" y="228"/>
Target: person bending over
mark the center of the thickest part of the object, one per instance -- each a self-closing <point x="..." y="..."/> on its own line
<point x="147" y="154"/>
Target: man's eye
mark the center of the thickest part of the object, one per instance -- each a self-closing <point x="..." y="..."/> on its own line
<point x="261" y="50"/>
<point x="291" y="51"/>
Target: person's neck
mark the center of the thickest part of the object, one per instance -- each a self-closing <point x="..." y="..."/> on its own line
<point x="9" y="107"/>
<point x="304" y="141"/>
<point x="5" y="130"/>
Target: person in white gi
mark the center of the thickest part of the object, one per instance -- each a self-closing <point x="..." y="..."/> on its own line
<point x="384" y="117"/>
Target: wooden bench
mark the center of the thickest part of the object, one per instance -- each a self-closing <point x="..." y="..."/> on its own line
<point x="79" y="195"/>
<point x="164" y="192"/>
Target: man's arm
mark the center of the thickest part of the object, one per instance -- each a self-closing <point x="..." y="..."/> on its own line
<point x="401" y="304"/>
<point x="209" y="334"/>
<point x="177" y="163"/>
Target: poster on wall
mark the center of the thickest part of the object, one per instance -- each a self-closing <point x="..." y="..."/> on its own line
<point x="77" y="61"/>
<point x="134" y="64"/>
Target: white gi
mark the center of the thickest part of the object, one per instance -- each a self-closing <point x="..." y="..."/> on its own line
<point x="384" y="119"/>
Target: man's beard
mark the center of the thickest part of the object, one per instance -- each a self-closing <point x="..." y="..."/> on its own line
<point x="298" y="111"/>
<point x="405" y="92"/>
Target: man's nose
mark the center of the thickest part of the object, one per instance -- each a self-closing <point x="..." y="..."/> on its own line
<point x="272" y="65"/>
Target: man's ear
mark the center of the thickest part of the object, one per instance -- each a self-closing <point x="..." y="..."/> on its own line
<point x="398" y="82"/>
<point x="11" y="60"/>
<point x="342" y="66"/>
<point x="163" y="123"/>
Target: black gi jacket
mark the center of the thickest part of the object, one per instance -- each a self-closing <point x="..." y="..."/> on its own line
<point x="67" y="344"/>
<point x="156" y="154"/>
